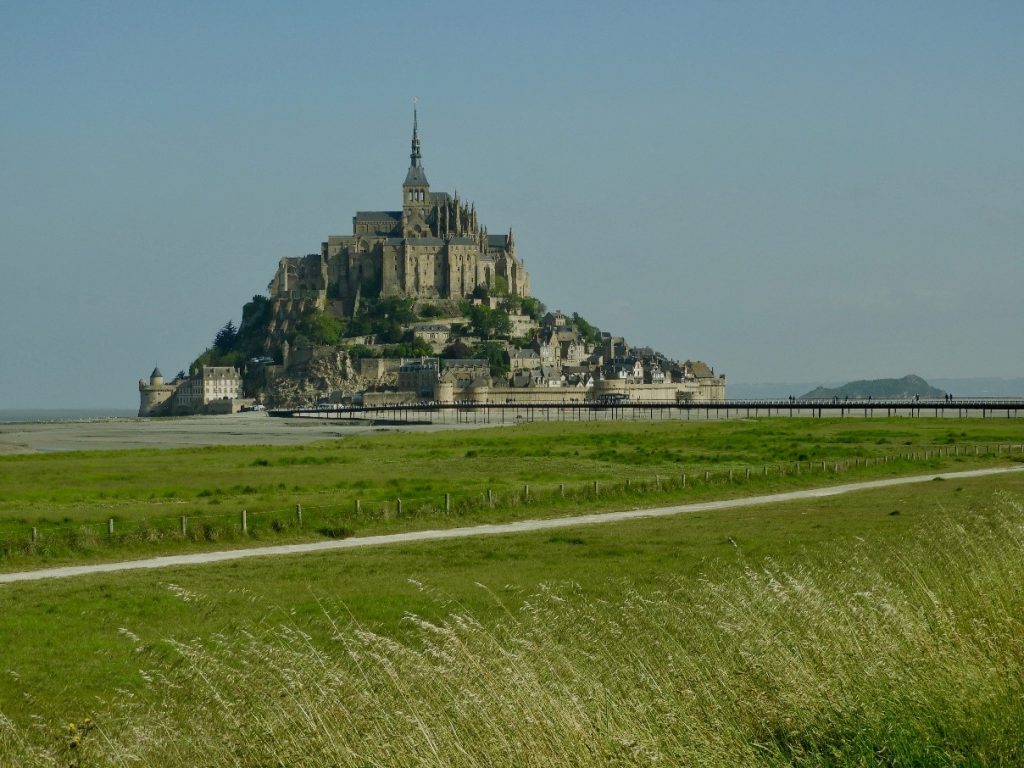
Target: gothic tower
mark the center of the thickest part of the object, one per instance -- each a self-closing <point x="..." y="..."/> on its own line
<point x="416" y="203"/>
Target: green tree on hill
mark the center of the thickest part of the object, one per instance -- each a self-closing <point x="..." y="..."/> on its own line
<point x="489" y="323"/>
<point x="321" y="328"/>
<point x="457" y="350"/>
<point x="357" y="351"/>
<point x="590" y="333"/>
<point x="412" y="348"/>
<point x="226" y="337"/>
<point x="494" y="353"/>
<point x="532" y="307"/>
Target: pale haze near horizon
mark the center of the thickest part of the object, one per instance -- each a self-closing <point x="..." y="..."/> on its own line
<point x="789" y="191"/>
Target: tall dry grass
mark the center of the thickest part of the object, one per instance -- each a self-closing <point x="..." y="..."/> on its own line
<point x="902" y="654"/>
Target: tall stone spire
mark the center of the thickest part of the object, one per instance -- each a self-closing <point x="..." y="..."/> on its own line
<point x="416" y="178"/>
<point x="415" y="156"/>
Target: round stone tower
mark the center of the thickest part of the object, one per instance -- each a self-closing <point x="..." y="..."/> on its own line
<point x="154" y="396"/>
<point x="444" y="392"/>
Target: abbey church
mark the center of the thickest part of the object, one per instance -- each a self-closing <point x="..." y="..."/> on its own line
<point x="433" y="248"/>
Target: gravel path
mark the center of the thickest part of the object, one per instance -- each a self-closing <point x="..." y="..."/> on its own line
<point x="521" y="526"/>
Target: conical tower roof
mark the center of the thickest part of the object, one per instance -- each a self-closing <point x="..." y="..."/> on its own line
<point x="416" y="176"/>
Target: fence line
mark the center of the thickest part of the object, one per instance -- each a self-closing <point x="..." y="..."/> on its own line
<point x="330" y="517"/>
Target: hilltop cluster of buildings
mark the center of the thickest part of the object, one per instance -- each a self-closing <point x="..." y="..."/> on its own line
<point x="558" y="365"/>
<point x="436" y="253"/>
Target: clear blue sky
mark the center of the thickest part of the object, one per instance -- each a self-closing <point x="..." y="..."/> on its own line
<point x="790" y="191"/>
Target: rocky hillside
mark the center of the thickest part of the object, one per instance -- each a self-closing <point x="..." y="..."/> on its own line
<point x="328" y="371"/>
<point x="907" y="387"/>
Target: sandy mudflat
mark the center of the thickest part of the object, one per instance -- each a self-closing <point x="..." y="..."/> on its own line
<point x="115" y="434"/>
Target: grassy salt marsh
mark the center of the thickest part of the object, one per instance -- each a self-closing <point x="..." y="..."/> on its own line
<point x="880" y="629"/>
<point x="69" y="498"/>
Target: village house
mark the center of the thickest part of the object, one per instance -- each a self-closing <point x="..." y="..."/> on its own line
<point x="435" y="334"/>
<point x="419" y="376"/>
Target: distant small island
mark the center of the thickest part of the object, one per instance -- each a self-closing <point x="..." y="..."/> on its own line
<point x="907" y="387"/>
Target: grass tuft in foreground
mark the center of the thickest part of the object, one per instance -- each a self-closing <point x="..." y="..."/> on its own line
<point x="908" y="654"/>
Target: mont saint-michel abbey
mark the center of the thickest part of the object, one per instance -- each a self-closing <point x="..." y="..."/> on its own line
<point x="433" y="248"/>
<point x="463" y="327"/>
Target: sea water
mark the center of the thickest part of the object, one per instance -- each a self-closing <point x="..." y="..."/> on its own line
<point x="8" y="416"/>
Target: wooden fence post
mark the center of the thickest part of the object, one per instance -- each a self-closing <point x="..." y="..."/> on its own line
<point x="245" y="522"/>
<point x="184" y="525"/>
<point x="298" y="514"/>
<point x="110" y="526"/>
<point x="490" y="498"/>
<point x="447" y="502"/>
<point x="398" y="507"/>
<point x="597" y="488"/>
<point x="683" y="479"/>
<point x="526" y="491"/>
<point x="359" y="507"/>
<point x="561" y="490"/>
<point x="35" y="534"/>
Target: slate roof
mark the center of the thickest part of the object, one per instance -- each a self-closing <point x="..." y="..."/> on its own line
<point x="497" y="241"/>
<point x="416" y="176"/>
<point x="701" y="370"/>
<point x="378" y="215"/>
<point x="425" y="364"/>
<point x="523" y="354"/>
<point x="550" y="372"/>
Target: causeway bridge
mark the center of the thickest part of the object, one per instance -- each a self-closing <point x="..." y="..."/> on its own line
<point x="628" y="410"/>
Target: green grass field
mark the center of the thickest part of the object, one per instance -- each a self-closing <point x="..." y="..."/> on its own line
<point x="69" y="498"/>
<point x="880" y="628"/>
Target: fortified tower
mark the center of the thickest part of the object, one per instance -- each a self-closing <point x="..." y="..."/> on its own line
<point x="153" y="396"/>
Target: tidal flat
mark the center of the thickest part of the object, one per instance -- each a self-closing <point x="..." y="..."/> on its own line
<point x="181" y="432"/>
